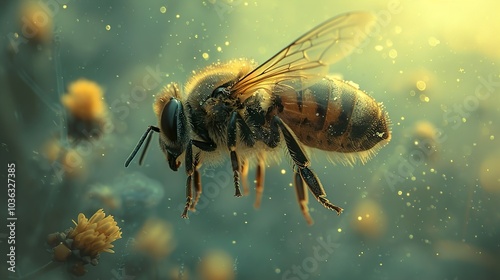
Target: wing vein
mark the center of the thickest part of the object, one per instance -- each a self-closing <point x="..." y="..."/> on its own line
<point x="307" y="59"/>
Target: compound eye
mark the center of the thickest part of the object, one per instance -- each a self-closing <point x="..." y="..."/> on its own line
<point x="169" y="119"/>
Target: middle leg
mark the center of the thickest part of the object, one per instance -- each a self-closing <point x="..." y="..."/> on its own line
<point x="244" y="176"/>
<point x="259" y="180"/>
<point x="237" y="123"/>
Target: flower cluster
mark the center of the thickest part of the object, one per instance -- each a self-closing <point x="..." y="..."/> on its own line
<point x="84" y="100"/>
<point x="87" y="110"/>
<point x="84" y="243"/>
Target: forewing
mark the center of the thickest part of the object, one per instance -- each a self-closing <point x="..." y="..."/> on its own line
<point x="307" y="59"/>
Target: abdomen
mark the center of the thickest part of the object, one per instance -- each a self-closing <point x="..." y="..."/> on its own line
<point x="332" y="115"/>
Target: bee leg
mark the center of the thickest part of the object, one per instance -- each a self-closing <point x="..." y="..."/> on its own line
<point x="302" y="197"/>
<point x="196" y="182"/>
<point x="189" y="172"/>
<point x="316" y="188"/>
<point x="231" y="144"/>
<point x="192" y="169"/>
<point x="244" y="176"/>
<point x="300" y="159"/>
<point x="259" y="180"/>
<point x="247" y="137"/>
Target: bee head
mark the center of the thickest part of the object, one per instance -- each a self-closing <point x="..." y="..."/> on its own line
<point x="172" y="123"/>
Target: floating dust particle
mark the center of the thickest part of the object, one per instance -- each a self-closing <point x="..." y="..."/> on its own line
<point x="177" y="16"/>
<point x="283" y="171"/>
<point x="398" y="29"/>
<point x="424" y="98"/>
<point x="277" y="271"/>
<point x="339" y="230"/>
<point x="360" y="218"/>
<point x="205" y="56"/>
<point x="163" y="9"/>
<point x="65" y="6"/>
<point x="379" y="48"/>
<point x="411" y="236"/>
<point x="388" y="43"/>
<point x="219" y="49"/>
<point x="421" y="85"/>
<point x="492" y="137"/>
<point x="433" y="41"/>
<point x="233" y="242"/>
<point x="226" y="43"/>
<point x="393" y="53"/>
<point x="400" y="192"/>
<point x="108" y="27"/>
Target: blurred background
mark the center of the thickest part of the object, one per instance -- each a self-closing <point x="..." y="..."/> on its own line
<point x="426" y="207"/>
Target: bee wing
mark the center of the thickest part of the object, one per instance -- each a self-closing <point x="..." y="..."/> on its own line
<point x="307" y="59"/>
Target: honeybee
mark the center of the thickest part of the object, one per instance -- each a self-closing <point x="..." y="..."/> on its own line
<point x="244" y="111"/>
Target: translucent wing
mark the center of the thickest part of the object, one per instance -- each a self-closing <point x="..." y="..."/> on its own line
<point x="308" y="57"/>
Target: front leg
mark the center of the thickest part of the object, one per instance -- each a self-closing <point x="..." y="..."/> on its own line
<point x="189" y="173"/>
<point x="192" y="166"/>
<point x="196" y="182"/>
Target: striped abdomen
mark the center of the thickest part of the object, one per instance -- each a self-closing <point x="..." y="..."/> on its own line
<point x="332" y="115"/>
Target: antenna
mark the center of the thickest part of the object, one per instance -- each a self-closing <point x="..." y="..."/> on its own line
<point x="147" y="134"/>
